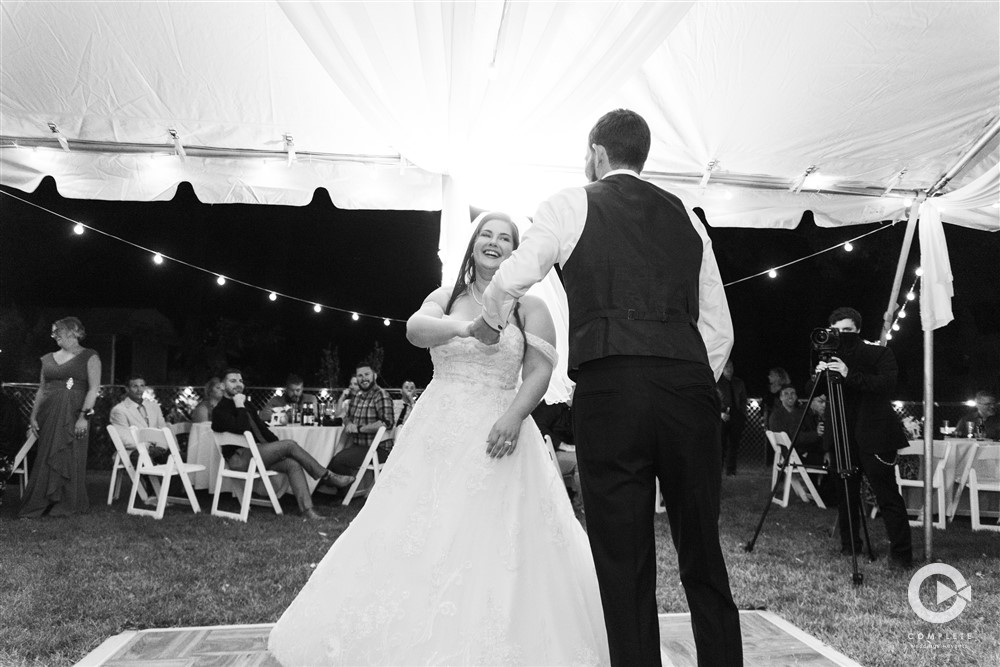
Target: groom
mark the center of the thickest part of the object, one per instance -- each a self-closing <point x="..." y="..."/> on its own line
<point x="648" y="324"/>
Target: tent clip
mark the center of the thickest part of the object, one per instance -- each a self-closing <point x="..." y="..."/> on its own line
<point x="178" y="146"/>
<point x="59" y="137"/>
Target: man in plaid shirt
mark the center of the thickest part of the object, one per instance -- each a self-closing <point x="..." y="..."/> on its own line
<point x="370" y="409"/>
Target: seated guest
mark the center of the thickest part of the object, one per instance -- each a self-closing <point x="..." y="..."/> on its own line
<point x="777" y="378"/>
<point x="344" y="402"/>
<point x="983" y="419"/>
<point x="409" y="394"/>
<point x="368" y="411"/>
<point x="786" y="417"/>
<point x="134" y="410"/>
<point x="232" y="415"/>
<point x="214" y="391"/>
<point x="292" y="397"/>
<point x="812" y="452"/>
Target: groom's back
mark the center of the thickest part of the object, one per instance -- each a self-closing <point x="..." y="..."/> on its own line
<point x="632" y="278"/>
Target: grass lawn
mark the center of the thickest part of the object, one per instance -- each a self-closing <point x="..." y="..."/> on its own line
<point x="68" y="584"/>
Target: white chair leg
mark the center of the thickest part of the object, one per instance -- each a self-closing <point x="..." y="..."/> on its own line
<point x="114" y="487"/>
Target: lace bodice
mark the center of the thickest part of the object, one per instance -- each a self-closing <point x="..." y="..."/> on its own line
<point x="495" y="366"/>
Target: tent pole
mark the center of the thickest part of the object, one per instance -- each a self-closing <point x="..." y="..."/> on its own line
<point x="904" y="253"/>
<point x="928" y="438"/>
<point x="980" y="144"/>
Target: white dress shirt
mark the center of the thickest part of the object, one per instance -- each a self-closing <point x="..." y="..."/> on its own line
<point x="127" y="413"/>
<point x="554" y="233"/>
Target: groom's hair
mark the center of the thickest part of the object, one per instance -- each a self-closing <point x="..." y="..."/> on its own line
<point x="624" y="135"/>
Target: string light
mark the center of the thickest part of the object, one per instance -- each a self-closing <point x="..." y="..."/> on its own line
<point x="79" y="228"/>
<point x="773" y="271"/>
<point x="317" y="308"/>
<point x="848" y="247"/>
<point x="910" y="296"/>
<point x="902" y="313"/>
<point x="386" y="321"/>
<point x="888" y="336"/>
<point x="895" y="326"/>
<point x="919" y="271"/>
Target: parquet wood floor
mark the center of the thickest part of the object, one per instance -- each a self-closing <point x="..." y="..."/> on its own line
<point x="768" y="641"/>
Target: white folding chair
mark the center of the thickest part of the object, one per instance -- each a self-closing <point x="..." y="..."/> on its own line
<point x="937" y="481"/>
<point x="180" y="428"/>
<point x="121" y="436"/>
<point x="21" y="461"/>
<point x="175" y="465"/>
<point x="987" y="479"/>
<point x="256" y="470"/>
<point x="782" y="446"/>
<point x="370" y="462"/>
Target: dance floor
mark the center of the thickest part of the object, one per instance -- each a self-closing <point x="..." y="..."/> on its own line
<point x="767" y="640"/>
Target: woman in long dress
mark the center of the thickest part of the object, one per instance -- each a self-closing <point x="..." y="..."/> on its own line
<point x="60" y="418"/>
<point x="467" y="551"/>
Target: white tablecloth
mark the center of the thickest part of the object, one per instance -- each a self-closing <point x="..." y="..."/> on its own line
<point x="320" y="441"/>
<point x="962" y="450"/>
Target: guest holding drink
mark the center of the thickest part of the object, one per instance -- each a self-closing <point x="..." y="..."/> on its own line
<point x="60" y="418"/>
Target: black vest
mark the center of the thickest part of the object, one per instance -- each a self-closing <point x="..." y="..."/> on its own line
<point x="632" y="279"/>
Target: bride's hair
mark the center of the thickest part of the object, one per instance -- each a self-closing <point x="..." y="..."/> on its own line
<point x="467" y="274"/>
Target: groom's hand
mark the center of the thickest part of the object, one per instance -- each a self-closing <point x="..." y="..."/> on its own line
<point x="483" y="332"/>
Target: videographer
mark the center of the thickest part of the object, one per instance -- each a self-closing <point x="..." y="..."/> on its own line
<point x="873" y="435"/>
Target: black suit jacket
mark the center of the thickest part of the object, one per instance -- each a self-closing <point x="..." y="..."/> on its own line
<point x="872" y="424"/>
<point x="227" y="418"/>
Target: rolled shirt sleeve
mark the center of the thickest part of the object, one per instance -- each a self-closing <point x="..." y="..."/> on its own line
<point x="714" y="322"/>
<point x="549" y="240"/>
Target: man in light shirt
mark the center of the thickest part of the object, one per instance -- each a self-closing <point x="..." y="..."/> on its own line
<point x="649" y="333"/>
<point x="134" y="410"/>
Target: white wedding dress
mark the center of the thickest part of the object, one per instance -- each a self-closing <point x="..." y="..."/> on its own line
<point x="456" y="558"/>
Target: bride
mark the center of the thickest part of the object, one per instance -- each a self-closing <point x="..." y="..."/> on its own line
<point x="467" y="551"/>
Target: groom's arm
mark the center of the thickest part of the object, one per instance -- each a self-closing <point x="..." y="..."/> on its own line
<point x="714" y="321"/>
<point x="553" y="234"/>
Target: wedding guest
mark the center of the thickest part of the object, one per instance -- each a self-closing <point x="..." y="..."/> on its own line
<point x="214" y="391"/>
<point x="293" y="397"/>
<point x="135" y="410"/>
<point x="371" y="409"/>
<point x="733" y="400"/>
<point x="982" y="419"/>
<point x="787" y="416"/>
<point x="777" y="378"/>
<point x="60" y="417"/>
<point x="232" y="415"/>
<point x="409" y="394"/>
<point x="344" y="402"/>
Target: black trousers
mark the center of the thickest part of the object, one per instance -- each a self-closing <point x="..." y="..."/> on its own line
<point x="882" y="479"/>
<point x="730" y="446"/>
<point x="635" y="419"/>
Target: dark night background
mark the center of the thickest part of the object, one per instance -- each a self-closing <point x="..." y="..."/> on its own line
<point x="383" y="263"/>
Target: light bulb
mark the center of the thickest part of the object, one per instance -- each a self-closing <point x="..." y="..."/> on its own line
<point x="919" y="271"/>
<point x="355" y="317"/>
<point x="78" y="229"/>
<point x="317" y="308"/>
<point x="772" y="274"/>
<point x="907" y="201"/>
<point x="895" y="326"/>
<point x="902" y="314"/>
<point x="910" y="296"/>
<point x="386" y="321"/>
<point x="221" y="280"/>
<point x="848" y="246"/>
<point x="157" y="258"/>
<point x="272" y="296"/>
<point x="888" y="336"/>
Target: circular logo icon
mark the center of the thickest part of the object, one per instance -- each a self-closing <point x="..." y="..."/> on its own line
<point x="959" y="592"/>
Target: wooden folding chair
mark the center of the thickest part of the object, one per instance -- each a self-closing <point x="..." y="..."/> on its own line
<point x="255" y="470"/>
<point x="937" y="481"/>
<point x="175" y="465"/>
<point x="783" y="446"/>
<point x="21" y="461"/>
<point x="121" y="436"/>
<point x="986" y="479"/>
<point x="370" y="462"/>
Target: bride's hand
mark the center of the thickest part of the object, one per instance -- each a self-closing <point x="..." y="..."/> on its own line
<point x="502" y="439"/>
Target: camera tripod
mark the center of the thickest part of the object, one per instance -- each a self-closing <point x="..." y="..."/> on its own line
<point x="844" y="466"/>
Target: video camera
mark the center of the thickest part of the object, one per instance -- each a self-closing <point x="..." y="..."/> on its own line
<point x="825" y="341"/>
